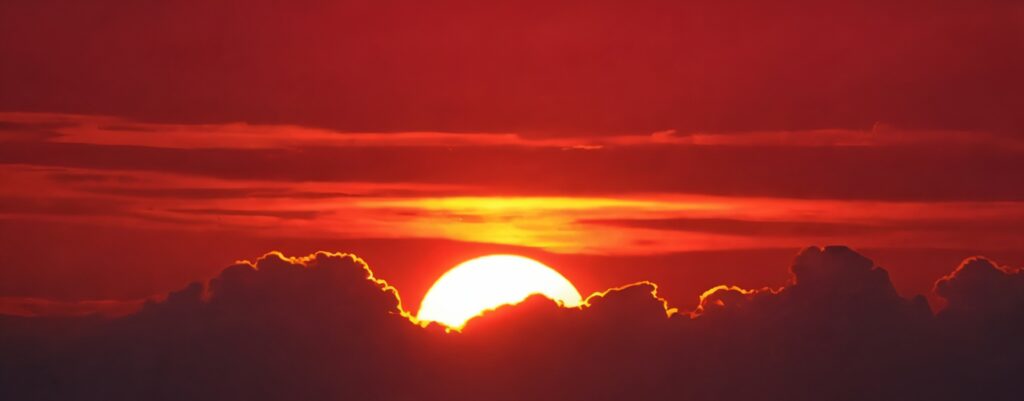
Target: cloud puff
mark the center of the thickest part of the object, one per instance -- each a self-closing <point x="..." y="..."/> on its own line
<point x="981" y="327"/>
<point x="323" y="327"/>
<point x="980" y="287"/>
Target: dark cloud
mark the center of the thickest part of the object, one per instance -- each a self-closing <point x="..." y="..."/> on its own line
<point x="814" y="229"/>
<point x="26" y="306"/>
<point x="985" y="312"/>
<point x="281" y="214"/>
<point x="216" y="193"/>
<point x="323" y="327"/>
<point x="62" y="206"/>
<point x="980" y="287"/>
<point x="19" y="131"/>
<point x="745" y="227"/>
<point x="70" y="177"/>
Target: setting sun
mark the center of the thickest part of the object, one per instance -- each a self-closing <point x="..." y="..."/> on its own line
<point x="488" y="282"/>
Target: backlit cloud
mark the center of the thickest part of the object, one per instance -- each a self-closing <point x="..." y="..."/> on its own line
<point x="324" y="326"/>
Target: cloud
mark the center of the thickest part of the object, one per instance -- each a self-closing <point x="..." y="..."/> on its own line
<point x="324" y="327"/>
<point x="980" y="287"/>
<point x="744" y="227"/>
<point x="28" y="306"/>
<point x="117" y="131"/>
<point x="281" y="214"/>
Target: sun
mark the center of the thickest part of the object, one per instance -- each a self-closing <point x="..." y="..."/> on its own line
<point x="487" y="282"/>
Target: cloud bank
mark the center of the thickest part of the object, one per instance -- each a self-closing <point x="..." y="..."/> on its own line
<point x="323" y="327"/>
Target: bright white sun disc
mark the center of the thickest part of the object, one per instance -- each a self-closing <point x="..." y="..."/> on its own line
<point x="488" y="282"/>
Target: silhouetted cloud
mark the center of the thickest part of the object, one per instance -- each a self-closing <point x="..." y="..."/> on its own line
<point x="324" y="327"/>
<point x="981" y="287"/>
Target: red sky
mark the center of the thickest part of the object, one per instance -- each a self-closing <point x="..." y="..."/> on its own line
<point x="147" y="145"/>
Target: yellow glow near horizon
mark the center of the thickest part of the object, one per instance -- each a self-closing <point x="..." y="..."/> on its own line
<point x="487" y="282"/>
<point x="524" y="203"/>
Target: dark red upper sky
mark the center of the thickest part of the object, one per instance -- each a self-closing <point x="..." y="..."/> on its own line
<point x="586" y="67"/>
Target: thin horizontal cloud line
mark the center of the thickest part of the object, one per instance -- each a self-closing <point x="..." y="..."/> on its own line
<point x="281" y="214"/>
<point x="744" y="227"/>
<point x="35" y="306"/>
<point x="819" y="227"/>
<point x="117" y="131"/>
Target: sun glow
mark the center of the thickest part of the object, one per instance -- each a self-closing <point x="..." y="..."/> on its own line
<point x="487" y="282"/>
